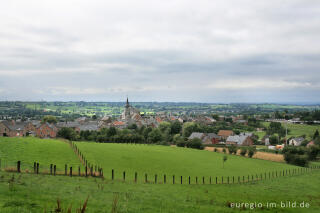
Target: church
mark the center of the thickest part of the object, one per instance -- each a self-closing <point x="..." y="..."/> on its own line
<point x="130" y="114"/>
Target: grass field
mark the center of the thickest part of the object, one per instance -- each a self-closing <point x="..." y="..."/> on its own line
<point x="154" y="159"/>
<point x="39" y="193"/>
<point x="29" y="150"/>
<point x="296" y="130"/>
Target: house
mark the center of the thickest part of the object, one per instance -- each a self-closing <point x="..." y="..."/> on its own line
<point x="296" y="141"/>
<point x="311" y="143"/>
<point x="224" y="134"/>
<point x="211" y="138"/>
<point x="14" y="129"/>
<point x="47" y="130"/>
<point x="239" y="140"/>
<point x="197" y="135"/>
<point x="119" y="124"/>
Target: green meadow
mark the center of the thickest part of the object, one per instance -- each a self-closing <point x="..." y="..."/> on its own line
<point x="160" y="160"/>
<point x="296" y="130"/>
<point x="39" y="193"/>
<point x="29" y="150"/>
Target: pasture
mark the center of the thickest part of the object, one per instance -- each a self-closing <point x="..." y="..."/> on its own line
<point x="39" y="193"/>
<point x="29" y="150"/>
<point x="160" y="160"/>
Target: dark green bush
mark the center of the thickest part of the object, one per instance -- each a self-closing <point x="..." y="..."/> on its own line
<point x="243" y="151"/>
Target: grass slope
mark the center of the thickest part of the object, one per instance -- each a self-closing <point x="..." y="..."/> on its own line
<point x="154" y="159"/>
<point x="29" y="150"/>
<point x="34" y="193"/>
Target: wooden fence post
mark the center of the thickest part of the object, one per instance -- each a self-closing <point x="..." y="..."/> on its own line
<point x="135" y="177"/>
<point x="155" y="178"/>
<point x="196" y="180"/>
<point x="86" y="171"/>
<point x="228" y="179"/>
<point x="216" y="180"/>
<point x="37" y="168"/>
<point x="65" y="169"/>
<point x="51" y="169"/>
<point x="79" y="171"/>
<point x="189" y="180"/>
<point x="210" y="179"/>
<point x="173" y="179"/>
<point x="146" y="178"/>
<point x="91" y="171"/>
<point x="70" y="171"/>
<point x="222" y="179"/>
<point x="34" y="167"/>
<point x="124" y="176"/>
<point x="164" y="178"/>
<point x="203" y="180"/>
<point x="18" y="166"/>
<point x="54" y="170"/>
<point x="112" y="174"/>
<point x="181" y="179"/>
<point x="232" y="179"/>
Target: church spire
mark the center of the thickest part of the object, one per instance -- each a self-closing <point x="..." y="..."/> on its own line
<point x="127" y="104"/>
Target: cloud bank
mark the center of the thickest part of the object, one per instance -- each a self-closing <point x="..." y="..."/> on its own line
<point x="204" y="51"/>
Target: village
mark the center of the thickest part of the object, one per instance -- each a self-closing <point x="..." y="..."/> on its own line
<point x="240" y="133"/>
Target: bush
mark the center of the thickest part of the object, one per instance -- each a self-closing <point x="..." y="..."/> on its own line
<point x="313" y="152"/>
<point x="195" y="143"/>
<point x="296" y="156"/>
<point x="251" y="151"/>
<point x="181" y="144"/>
<point x="243" y="151"/>
<point x="67" y="133"/>
<point x="215" y="149"/>
<point x="232" y="149"/>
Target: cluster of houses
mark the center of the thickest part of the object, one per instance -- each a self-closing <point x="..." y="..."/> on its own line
<point x="224" y="137"/>
<point x="130" y="115"/>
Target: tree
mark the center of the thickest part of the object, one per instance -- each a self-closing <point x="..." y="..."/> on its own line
<point x="251" y="151"/>
<point x="195" y="143"/>
<point x="49" y="119"/>
<point x="316" y="134"/>
<point x="177" y="138"/>
<point x="243" y="151"/>
<point x="273" y="139"/>
<point x="224" y="159"/>
<point x="176" y="127"/>
<point x="165" y="127"/>
<point x="155" y="136"/>
<point x="133" y="126"/>
<point x="67" y="133"/>
<point x="188" y="128"/>
<point x="112" y="131"/>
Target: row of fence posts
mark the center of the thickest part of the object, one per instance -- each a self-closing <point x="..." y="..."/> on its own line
<point x="53" y="170"/>
<point x="228" y="180"/>
<point x="269" y="175"/>
<point x="85" y="162"/>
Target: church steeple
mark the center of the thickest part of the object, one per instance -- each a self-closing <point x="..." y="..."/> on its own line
<point x="127" y="104"/>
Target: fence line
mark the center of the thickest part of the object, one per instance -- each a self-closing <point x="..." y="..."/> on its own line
<point x="98" y="172"/>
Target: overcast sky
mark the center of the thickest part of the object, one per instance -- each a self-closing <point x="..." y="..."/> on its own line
<point x="169" y="50"/>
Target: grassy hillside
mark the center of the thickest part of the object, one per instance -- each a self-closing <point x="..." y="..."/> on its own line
<point x="295" y="130"/>
<point x="153" y="159"/>
<point x="29" y="150"/>
<point x="36" y="193"/>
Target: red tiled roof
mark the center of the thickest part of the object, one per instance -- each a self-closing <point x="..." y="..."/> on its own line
<point x="118" y="123"/>
<point x="225" y="132"/>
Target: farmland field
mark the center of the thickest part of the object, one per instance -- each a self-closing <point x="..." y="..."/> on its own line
<point x="154" y="159"/>
<point x="296" y="130"/>
<point x="29" y="150"/>
<point x="39" y="193"/>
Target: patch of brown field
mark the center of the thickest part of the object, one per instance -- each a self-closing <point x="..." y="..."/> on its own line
<point x="258" y="155"/>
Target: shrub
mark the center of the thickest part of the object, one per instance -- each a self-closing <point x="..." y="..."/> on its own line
<point x="181" y="144"/>
<point x="233" y="149"/>
<point x="243" y="151"/>
<point x="215" y="149"/>
<point x="251" y="151"/>
<point x="313" y="152"/>
<point x="195" y="143"/>
<point x="296" y="156"/>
